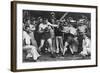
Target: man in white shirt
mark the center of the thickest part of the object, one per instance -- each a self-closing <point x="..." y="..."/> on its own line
<point x="82" y="29"/>
<point x="31" y="49"/>
<point x="86" y="44"/>
<point x="44" y="29"/>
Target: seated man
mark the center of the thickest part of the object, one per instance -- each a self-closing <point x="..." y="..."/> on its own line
<point x="31" y="49"/>
<point x="86" y="45"/>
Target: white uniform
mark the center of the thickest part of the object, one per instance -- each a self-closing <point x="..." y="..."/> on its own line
<point x="82" y="28"/>
<point x="33" y="50"/>
<point x="72" y="30"/>
<point x="31" y="34"/>
<point x="86" y="47"/>
<point x="26" y="37"/>
<point x="43" y="26"/>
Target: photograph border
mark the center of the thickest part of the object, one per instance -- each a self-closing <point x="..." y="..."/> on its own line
<point x="14" y="35"/>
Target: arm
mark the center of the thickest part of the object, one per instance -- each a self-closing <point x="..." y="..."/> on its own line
<point x="83" y="44"/>
<point x="40" y="28"/>
<point x="32" y="27"/>
<point x="53" y="25"/>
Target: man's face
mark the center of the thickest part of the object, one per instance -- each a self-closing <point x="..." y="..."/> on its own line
<point x="41" y="20"/>
<point x="28" y="21"/>
<point x="80" y="24"/>
<point x="34" y="22"/>
<point x="65" y="24"/>
<point x="28" y="29"/>
<point x="45" y="21"/>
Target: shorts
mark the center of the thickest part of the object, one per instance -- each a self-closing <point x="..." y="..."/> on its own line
<point x="46" y="35"/>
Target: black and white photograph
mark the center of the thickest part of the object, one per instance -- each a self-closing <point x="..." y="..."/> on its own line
<point x="53" y="36"/>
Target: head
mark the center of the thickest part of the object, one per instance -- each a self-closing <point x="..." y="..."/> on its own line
<point x="45" y="21"/>
<point x="28" y="21"/>
<point x="57" y="22"/>
<point x="85" y="35"/>
<point x="84" y="17"/>
<point x="33" y="21"/>
<point x="66" y="23"/>
<point x="27" y="29"/>
<point x="80" y="22"/>
<point x="70" y="18"/>
<point x="40" y="19"/>
<point x="52" y="14"/>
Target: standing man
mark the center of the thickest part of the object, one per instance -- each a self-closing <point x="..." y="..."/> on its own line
<point x="44" y="29"/>
<point x="37" y="34"/>
<point x="59" y="38"/>
<point x="82" y="28"/>
<point x="70" y="38"/>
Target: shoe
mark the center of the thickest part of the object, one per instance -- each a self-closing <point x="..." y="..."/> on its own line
<point x="62" y="55"/>
<point x="57" y="54"/>
<point x="53" y="55"/>
<point x="34" y="60"/>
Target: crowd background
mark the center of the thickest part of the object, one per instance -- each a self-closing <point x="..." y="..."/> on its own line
<point x="69" y="29"/>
